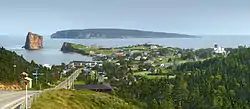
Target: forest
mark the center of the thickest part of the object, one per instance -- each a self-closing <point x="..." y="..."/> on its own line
<point x="12" y="65"/>
<point x="221" y="82"/>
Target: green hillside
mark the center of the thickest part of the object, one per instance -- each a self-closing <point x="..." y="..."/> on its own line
<point x="73" y="99"/>
<point x="12" y="65"/>
<point x="216" y="83"/>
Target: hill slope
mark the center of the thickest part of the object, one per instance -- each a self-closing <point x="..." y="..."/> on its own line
<point x="115" y="33"/>
<point x="12" y="65"/>
<point x="216" y="83"/>
<point x="74" y="99"/>
<point x="9" y="73"/>
<point x="219" y="82"/>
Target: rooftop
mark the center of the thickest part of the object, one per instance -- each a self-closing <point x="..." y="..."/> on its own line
<point x="93" y="86"/>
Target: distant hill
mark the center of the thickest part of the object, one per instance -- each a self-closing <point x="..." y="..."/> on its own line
<point x="115" y="33"/>
<point x="75" y="99"/>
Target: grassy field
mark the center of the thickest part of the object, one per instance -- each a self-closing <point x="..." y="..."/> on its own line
<point x="146" y="74"/>
<point x="95" y="49"/>
<point x="73" y="99"/>
<point x="79" y="82"/>
<point x="142" y="48"/>
<point x="141" y="73"/>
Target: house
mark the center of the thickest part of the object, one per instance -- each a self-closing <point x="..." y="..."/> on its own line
<point x="144" y="58"/>
<point x="80" y="64"/>
<point x="138" y="58"/>
<point x="99" y="57"/>
<point x="47" y="66"/>
<point x="102" y="78"/>
<point x="133" y="68"/>
<point x="162" y="65"/>
<point x="90" y="64"/>
<point x="149" y="62"/>
<point x="145" y="53"/>
<point x="91" y="52"/>
<point x="75" y="64"/>
<point x="106" y="88"/>
<point x="118" y="64"/>
<point x="119" y="54"/>
<point x="153" y="47"/>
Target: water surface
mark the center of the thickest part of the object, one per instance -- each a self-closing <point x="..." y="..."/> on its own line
<point x="51" y="53"/>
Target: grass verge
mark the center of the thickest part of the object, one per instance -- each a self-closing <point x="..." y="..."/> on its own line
<point x="83" y="99"/>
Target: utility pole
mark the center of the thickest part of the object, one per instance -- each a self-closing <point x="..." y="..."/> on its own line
<point x="36" y="76"/>
<point x="26" y="94"/>
<point x="26" y="80"/>
<point x="14" y="66"/>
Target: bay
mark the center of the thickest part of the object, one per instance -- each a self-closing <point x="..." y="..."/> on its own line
<point x="51" y="53"/>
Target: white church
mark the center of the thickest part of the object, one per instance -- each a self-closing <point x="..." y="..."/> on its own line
<point x="219" y="50"/>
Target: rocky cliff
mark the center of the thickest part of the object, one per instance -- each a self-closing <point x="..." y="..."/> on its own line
<point x="33" y="41"/>
<point x="71" y="47"/>
<point x="67" y="47"/>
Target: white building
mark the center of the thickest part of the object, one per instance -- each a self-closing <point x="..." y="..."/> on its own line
<point x="138" y="58"/>
<point x="219" y="50"/>
<point x="47" y="65"/>
<point x="153" y="47"/>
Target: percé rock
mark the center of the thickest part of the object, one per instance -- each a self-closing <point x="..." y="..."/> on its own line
<point x="115" y="33"/>
<point x="33" y="41"/>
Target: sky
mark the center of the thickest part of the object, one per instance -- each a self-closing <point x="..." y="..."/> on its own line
<point x="195" y="17"/>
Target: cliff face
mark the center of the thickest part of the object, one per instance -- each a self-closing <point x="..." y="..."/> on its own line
<point x="68" y="47"/>
<point x="33" y="41"/>
<point x="10" y="87"/>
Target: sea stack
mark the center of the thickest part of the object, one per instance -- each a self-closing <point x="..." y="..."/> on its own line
<point x="33" y="41"/>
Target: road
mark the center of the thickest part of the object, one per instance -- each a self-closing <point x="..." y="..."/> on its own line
<point x="70" y="80"/>
<point x="10" y="98"/>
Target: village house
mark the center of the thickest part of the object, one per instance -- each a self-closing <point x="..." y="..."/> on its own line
<point x="99" y="57"/>
<point x="91" y="52"/>
<point x="75" y="64"/>
<point x="133" y="68"/>
<point x="47" y="66"/>
<point x="153" y="47"/>
<point x="119" y="54"/>
<point x="138" y="58"/>
<point x="79" y="64"/>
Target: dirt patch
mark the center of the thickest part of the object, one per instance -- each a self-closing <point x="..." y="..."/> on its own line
<point x="10" y="87"/>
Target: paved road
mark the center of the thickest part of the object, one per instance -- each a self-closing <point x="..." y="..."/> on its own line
<point x="5" y="92"/>
<point x="8" y="98"/>
<point x="69" y="81"/>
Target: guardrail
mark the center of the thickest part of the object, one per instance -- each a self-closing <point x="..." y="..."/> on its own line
<point x="20" y="103"/>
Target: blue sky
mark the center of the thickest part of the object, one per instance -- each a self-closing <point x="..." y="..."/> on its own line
<point x="199" y="17"/>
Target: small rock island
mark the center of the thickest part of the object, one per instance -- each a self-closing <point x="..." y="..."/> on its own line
<point x="33" y="41"/>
